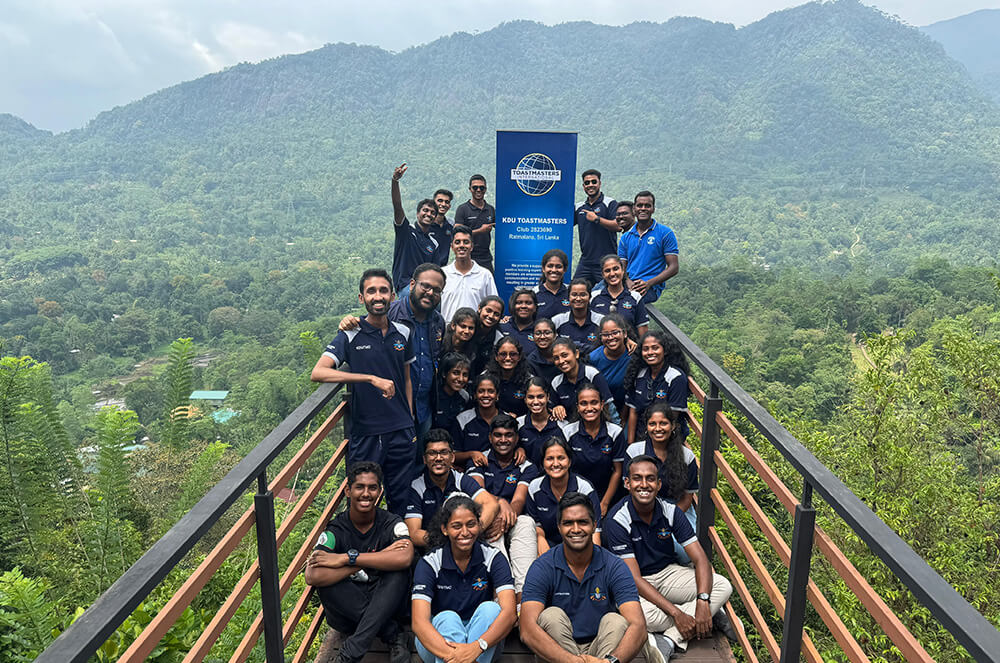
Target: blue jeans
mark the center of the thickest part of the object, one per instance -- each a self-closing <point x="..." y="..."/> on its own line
<point x="682" y="556"/>
<point x="453" y="628"/>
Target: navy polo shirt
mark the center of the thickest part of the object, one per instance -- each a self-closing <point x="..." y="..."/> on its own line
<point x="425" y="498"/>
<point x="565" y="390"/>
<point x="542" y="504"/>
<point x="438" y="580"/>
<point x="628" y="304"/>
<point x="427" y="338"/>
<point x="645" y="254"/>
<point x="646" y="448"/>
<point x="652" y="546"/>
<point x="473" y="432"/>
<point x="542" y="367"/>
<point x="531" y="439"/>
<point x="607" y="584"/>
<point x="596" y="241"/>
<point x="593" y="457"/>
<point x="411" y="248"/>
<point x="586" y="336"/>
<point x="613" y="371"/>
<point x="550" y="305"/>
<point x="670" y="385"/>
<point x="501" y="482"/>
<point x="511" y="397"/>
<point x="447" y="407"/>
<point x="367" y="350"/>
<point x="524" y="336"/>
<point x="472" y="217"/>
<point x="443" y="236"/>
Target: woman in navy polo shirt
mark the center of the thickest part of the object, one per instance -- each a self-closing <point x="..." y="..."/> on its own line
<point x="508" y="362"/>
<point x="580" y="323"/>
<point x="540" y="361"/>
<point x="598" y="445"/>
<point x="450" y="395"/>
<point x="572" y="374"/>
<point x="613" y="297"/>
<point x="487" y="331"/>
<point x="553" y="296"/>
<point x="473" y="425"/>
<point x="658" y="371"/>
<point x="460" y="333"/>
<point x="538" y="425"/>
<point x="522" y="309"/>
<point x="545" y="491"/>
<point x="455" y="616"/>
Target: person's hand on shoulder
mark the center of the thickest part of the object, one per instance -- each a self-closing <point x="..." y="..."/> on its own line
<point x="349" y="322"/>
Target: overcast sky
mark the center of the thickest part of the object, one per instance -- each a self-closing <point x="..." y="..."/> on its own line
<point x="64" y="61"/>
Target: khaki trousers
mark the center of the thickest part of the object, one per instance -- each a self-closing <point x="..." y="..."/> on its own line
<point x="678" y="585"/>
<point x="610" y="632"/>
<point x="520" y="546"/>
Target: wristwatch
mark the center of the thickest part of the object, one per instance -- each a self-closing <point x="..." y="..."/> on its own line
<point x="611" y="658"/>
<point x="352" y="557"/>
<point x="704" y="596"/>
<point x="483" y="644"/>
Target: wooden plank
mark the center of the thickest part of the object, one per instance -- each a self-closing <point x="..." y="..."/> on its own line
<point x="303" y="651"/>
<point x="857" y="583"/>
<point x="826" y="612"/>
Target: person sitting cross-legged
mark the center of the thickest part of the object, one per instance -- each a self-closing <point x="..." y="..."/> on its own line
<point x="361" y="569"/>
<point x="580" y="603"/>
<point x="677" y="601"/>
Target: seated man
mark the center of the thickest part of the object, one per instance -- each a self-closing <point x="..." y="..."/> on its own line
<point x="677" y="601"/>
<point x="580" y="603"/>
<point x="436" y="483"/>
<point x="361" y="569"/>
<point x="507" y="480"/>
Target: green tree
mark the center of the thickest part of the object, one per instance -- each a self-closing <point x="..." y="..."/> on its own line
<point x="179" y="380"/>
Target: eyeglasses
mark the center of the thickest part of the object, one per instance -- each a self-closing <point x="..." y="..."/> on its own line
<point x="611" y="334"/>
<point x="478" y="188"/>
<point x="508" y="355"/>
<point x="544" y="332"/>
<point x="438" y="453"/>
<point x="430" y="288"/>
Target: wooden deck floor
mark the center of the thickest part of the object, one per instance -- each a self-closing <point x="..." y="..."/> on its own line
<point x="711" y="650"/>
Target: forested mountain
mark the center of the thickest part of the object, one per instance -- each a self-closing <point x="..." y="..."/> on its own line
<point x="972" y="40"/>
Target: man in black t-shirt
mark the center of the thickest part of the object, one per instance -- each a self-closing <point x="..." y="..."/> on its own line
<point x="360" y="568"/>
<point x="480" y="217"/>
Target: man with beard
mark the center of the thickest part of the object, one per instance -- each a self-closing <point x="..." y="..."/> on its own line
<point x="379" y="353"/>
<point x="360" y="568"/>
<point x="425" y="242"/>
<point x="580" y="604"/>
<point x="679" y="602"/>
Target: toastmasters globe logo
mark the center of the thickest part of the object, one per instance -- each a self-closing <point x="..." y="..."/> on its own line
<point x="535" y="174"/>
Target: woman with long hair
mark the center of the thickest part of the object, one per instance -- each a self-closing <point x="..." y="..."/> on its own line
<point x="540" y="361"/>
<point x="538" y="425"/>
<point x="573" y="373"/>
<point x="614" y="297"/>
<point x="598" y="445"/>
<point x="612" y="357"/>
<point x="658" y="371"/>
<point x="553" y="296"/>
<point x="487" y="332"/>
<point x="510" y="365"/>
<point x="473" y="426"/>
<point x="450" y="395"/>
<point x="522" y="309"/>
<point x="477" y="611"/>
<point x="580" y="323"/>
<point x="460" y="333"/>
<point x="545" y="491"/>
<point x="677" y="468"/>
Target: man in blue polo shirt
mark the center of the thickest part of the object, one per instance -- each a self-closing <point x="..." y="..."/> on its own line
<point x="677" y="601"/>
<point x="580" y="600"/>
<point x="649" y="251"/>
<point x="379" y="353"/>
<point x="425" y="242"/>
<point x="598" y="227"/>
<point x="439" y="480"/>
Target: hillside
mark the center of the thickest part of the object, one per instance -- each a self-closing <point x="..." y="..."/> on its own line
<point x="972" y="40"/>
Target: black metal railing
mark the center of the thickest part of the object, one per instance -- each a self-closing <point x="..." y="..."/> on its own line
<point x="82" y="639"/>
<point x="973" y="631"/>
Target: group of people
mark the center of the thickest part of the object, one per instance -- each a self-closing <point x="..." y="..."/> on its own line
<point x="531" y="452"/>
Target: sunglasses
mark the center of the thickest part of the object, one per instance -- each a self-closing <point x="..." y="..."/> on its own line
<point x="478" y="188"/>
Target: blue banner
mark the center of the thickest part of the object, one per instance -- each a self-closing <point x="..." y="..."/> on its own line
<point x="536" y="182"/>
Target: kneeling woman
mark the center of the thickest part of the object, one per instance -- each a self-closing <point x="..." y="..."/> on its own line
<point x="455" y="615"/>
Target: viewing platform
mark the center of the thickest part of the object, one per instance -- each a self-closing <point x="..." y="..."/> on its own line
<point x="753" y="526"/>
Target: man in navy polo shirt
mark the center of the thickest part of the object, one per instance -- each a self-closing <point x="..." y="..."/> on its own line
<point x="439" y="480"/>
<point x="379" y="353"/>
<point x="649" y="251"/>
<point x="598" y="227"/>
<point x="580" y="600"/>
<point x="424" y="242"/>
<point x="480" y="217"/>
<point x="677" y="601"/>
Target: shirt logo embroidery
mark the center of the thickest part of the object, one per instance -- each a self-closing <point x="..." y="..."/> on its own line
<point x="511" y="479"/>
<point x="362" y="347"/>
<point x="591" y="336"/>
<point x="479" y="585"/>
<point x="663" y="534"/>
<point x="597" y="595"/>
<point x="398" y="345"/>
<point x="650" y="241"/>
<point x="565" y="302"/>
<point x="661" y="393"/>
<point x="626" y="304"/>
<point x="606" y="448"/>
<point x="519" y="395"/>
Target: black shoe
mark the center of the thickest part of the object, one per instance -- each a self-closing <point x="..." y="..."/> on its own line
<point x="720" y="621"/>
<point x="399" y="649"/>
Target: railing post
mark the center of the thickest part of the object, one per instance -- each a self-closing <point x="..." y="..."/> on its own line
<point x="798" y="576"/>
<point x="267" y="554"/>
<point x="709" y="471"/>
